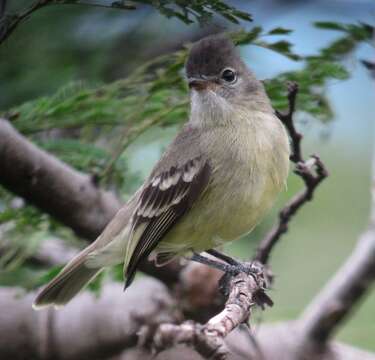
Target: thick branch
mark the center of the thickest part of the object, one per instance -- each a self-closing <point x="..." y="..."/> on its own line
<point x="91" y="328"/>
<point x="53" y="186"/>
<point x="87" y="328"/>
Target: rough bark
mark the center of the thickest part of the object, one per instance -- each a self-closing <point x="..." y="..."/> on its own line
<point x="88" y="328"/>
<point x="117" y="326"/>
<point x="54" y="187"/>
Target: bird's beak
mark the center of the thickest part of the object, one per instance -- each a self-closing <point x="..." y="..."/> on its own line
<point x="198" y="84"/>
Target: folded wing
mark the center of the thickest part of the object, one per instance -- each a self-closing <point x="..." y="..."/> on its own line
<point x="164" y="200"/>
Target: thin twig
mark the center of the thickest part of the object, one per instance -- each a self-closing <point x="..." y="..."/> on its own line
<point x="312" y="172"/>
<point x="10" y="22"/>
<point x="288" y="121"/>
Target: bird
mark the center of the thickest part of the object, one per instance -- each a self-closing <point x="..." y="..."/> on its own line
<point x="215" y="181"/>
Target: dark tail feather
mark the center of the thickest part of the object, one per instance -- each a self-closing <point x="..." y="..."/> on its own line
<point x="71" y="279"/>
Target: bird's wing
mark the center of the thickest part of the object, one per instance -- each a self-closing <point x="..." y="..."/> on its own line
<point x="164" y="200"/>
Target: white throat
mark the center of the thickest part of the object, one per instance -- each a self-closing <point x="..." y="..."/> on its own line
<point x="209" y="109"/>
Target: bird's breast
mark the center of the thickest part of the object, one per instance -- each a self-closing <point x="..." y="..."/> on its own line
<point x="250" y="168"/>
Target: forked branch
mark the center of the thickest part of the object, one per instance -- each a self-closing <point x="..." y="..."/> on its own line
<point x="311" y="171"/>
<point x="208" y="340"/>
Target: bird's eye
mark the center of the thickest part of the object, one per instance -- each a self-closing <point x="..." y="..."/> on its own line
<point x="229" y="75"/>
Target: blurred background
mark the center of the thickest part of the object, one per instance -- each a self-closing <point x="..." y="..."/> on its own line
<point x="59" y="45"/>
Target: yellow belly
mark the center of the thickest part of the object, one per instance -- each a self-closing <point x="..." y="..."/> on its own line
<point x="249" y="170"/>
<point x="221" y="215"/>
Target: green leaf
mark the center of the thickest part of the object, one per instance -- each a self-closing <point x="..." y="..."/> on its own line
<point x="201" y="11"/>
<point x="330" y="25"/>
<point x="361" y="31"/>
<point x="358" y="32"/>
<point x="242" y="15"/>
<point x="243" y="37"/>
<point x="279" y="31"/>
<point x="282" y="47"/>
<point x="339" y="48"/>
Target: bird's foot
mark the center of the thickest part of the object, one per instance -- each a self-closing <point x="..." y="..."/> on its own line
<point x="220" y="265"/>
<point x="232" y="267"/>
<point x="260" y="273"/>
<point x="227" y="264"/>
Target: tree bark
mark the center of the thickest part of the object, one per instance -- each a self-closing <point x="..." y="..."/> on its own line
<point x="54" y="187"/>
<point x="88" y="328"/>
<point x="118" y="326"/>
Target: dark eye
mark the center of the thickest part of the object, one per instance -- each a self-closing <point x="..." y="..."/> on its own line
<point x="229" y="75"/>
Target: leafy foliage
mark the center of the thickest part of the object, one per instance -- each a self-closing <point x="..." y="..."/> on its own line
<point x="319" y="69"/>
<point x="199" y="10"/>
<point x="354" y="33"/>
<point x="279" y="31"/>
<point x="188" y="12"/>
<point x="156" y="93"/>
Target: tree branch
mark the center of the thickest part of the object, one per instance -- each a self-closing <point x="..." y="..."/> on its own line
<point x="88" y="328"/>
<point x="245" y="290"/>
<point x="312" y="172"/>
<point x="54" y="187"/>
<point x="118" y="328"/>
<point x="9" y="23"/>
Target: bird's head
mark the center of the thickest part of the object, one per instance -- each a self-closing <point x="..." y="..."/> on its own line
<point x="218" y="78"/>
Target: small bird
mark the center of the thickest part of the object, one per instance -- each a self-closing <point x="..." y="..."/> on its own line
<point x="213" y="184"/>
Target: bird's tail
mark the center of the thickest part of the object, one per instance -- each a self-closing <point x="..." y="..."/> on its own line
<point x="71" y="279"/>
